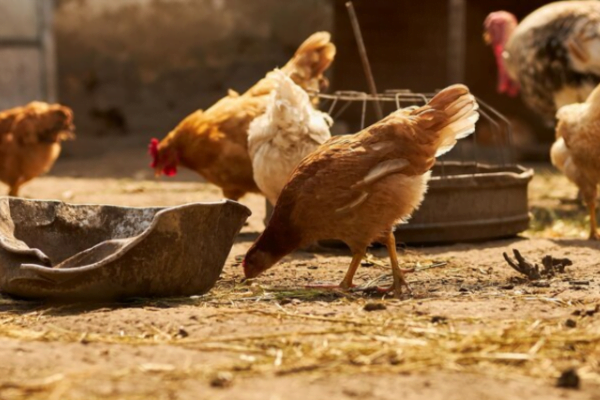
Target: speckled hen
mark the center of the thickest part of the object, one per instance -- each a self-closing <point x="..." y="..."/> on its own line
<point x="552" y="57"/>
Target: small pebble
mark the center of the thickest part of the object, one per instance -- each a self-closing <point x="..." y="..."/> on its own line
<point x="222" y="380"/>
<point x="374" y="307"/>
<point x="313" y="267"/>
<point x="438" y="319"/>
<point x="182" y="333"/>
<point x="568" y="379"/>
<point x="570" y="323"/>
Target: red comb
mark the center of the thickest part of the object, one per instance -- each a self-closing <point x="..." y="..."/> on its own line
<point x="153" y="150"/>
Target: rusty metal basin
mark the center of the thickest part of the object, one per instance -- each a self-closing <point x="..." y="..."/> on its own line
<point x="54" y="250"/>
<point x="466" y="202"/>
<point x="470" y="202"/>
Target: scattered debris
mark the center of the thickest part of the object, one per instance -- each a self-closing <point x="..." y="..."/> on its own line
<point x="552" y="266"/>
<point x="156" y="367"/>
<point x="587" y="313"/>
<point x="580" y="283"/>
<point x="539" y="284"/>
<point x="222" y="379"/>
<point x="593" y="311"/>
<point x="374" y="307"/>
<point x="569" y="379"/>
<point x="182" y="333"/>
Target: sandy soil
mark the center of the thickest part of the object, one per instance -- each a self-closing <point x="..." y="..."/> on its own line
<point x="472" y="330"/>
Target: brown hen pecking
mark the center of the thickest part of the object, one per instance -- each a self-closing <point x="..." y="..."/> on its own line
<point x="214" y="143"/>
<point x="355" y="188"/>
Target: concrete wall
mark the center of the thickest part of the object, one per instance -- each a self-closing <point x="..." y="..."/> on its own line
<point x="137" y="67"/>
<point x="26" y="51"/>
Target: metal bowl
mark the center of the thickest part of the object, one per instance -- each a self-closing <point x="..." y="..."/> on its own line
<point x="470" y="202"/>
<point x="54" y="250"/>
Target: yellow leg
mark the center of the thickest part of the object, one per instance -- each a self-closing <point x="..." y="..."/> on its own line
<point x="14" y="190"/>
<point x="593" y="222"/>
<point x="347" y="282"/>
<point x="397" y="272"/>
<point x="354" y="264"/>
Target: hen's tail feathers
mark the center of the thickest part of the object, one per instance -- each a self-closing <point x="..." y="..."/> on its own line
<point x="313" y="56"/>
<point x="451" y="114"/>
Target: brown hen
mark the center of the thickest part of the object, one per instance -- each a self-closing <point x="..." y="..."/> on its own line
<point x="214" y="143"/>
<point x="30" y="141"/>
<point x="355" y="188"/>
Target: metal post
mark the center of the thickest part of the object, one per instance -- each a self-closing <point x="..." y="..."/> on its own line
<point x="364" y="58"/>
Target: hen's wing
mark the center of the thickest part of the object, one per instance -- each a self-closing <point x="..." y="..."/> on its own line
<point x="341" y="171"/>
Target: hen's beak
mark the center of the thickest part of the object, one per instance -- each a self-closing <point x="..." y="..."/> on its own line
<point x="487" y="38"/>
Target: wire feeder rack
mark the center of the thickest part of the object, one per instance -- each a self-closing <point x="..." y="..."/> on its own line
<point x="477" y="192"/>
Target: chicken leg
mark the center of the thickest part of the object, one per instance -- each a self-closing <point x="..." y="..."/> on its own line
<point x="14" y="189"/>
<point x="397" y="272"/>
<point x="591" y="203"/>
<point x="346" y="283"/>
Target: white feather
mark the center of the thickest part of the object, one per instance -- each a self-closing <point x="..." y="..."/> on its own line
<point x="288" y="131"/>
<point x="382" y="169"/>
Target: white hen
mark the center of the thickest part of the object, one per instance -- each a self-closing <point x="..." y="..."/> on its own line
<point x="287" y="132"/>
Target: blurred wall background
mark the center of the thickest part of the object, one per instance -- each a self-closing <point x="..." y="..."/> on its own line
<point x="28" y="64"/>
<point x="134" y="68"/>
<point x="137" y="67"/>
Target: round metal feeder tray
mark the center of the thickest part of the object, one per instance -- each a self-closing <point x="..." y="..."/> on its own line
<point x="467" y="202"/>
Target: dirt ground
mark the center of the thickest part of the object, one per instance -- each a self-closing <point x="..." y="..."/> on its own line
<point x="472" y="330"/>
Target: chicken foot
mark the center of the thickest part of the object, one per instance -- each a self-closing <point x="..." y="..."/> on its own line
<point x="347" y="281"/>
<point x="397" y="272"/>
